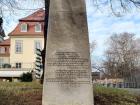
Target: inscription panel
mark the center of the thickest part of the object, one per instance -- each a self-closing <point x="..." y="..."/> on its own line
<point x="69" y="68"/>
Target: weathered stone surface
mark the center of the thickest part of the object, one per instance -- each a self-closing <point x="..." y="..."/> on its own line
<point x="67" y="78"/>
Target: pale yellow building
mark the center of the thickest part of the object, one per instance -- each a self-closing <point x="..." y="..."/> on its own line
<point x="25" y="39"/>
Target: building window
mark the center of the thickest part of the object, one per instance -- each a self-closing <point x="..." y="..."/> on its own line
<point x="2" y="50"/>
<point x="1" y="62"/>
<point x="38" y="27"/>
<point x="18" y="65"/>
<point x="18" y="46"/>
<point x="7" y="50"/>
<point x="37" y="45"/>
<point x="23" y="27"/>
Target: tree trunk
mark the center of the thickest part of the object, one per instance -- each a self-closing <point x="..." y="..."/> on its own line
<point x="47" y="3"/>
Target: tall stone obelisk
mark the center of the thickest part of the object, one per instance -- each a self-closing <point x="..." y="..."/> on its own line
<point x="67" y="79"/>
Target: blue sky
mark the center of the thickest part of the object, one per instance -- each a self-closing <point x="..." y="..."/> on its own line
<point x="101" y="24"/>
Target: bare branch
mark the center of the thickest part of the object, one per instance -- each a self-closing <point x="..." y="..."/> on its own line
<point x="122" y="55"/>
<point x="118" y="7"/>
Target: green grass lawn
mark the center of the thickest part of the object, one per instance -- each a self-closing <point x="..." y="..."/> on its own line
<point x="112" y="96"/>
<point x="20" y="93"/>
<point x="31" y="94"/>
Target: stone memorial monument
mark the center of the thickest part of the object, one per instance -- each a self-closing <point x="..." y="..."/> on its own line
<point x="67" y="79"/>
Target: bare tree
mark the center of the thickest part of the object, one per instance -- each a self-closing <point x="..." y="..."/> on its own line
<point x="121" y="56"/>
<point x="2" y="34"/>
<point x="14" y="5"/>
<point x="92" y="46"/>
<point x="117" y="7"/>
<point x="8" y="5"/>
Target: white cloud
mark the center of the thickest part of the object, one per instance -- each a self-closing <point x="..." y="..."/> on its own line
<point x="102" y="25"/>
<point x="128" y="26"/>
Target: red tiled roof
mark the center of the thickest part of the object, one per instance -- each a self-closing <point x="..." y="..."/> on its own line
<point x="36" y="16"/>
<point x="30" y="30"/>
<point x="31" y="20"/>
<point x="5" y="42"/>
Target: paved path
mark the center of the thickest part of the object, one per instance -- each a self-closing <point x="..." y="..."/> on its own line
<point x="11" y="72"/>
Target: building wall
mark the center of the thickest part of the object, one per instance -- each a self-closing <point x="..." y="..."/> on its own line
<point x="4" y="55"/>
<point x="28" y="56"/>
<point x="5" y="60"/>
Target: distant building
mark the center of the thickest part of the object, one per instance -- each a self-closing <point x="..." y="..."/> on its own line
<point x="95" y="76"/>
<point x="25" y="39"/>
<point x="115" y="83"/>
<point x="4" y="52"/>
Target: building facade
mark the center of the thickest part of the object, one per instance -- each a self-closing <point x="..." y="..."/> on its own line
<point x="25" y="39"/>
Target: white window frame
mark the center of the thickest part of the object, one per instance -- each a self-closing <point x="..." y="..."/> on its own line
<point x="21" y="27"/>
<point x="36" y="26"/>
<point x="18" y="46"/>
<point x="36" y="45"/>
